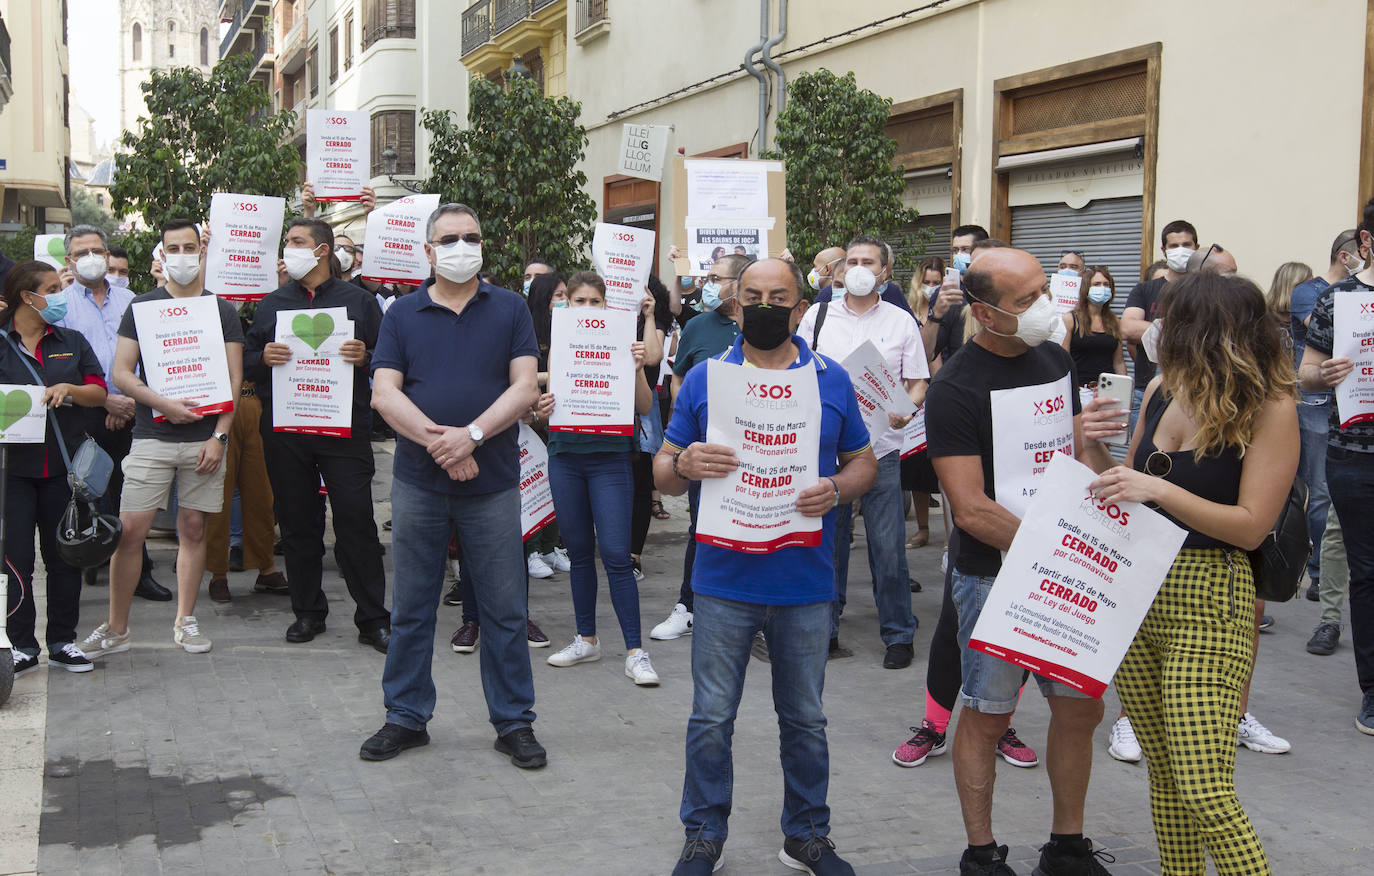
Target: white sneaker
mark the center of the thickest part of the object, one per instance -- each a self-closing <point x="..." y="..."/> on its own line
<point x="1123" y="742"/>
<point x="538" y="568"/>
<point x="638" y="667"/>
<point x="678" y="624"/>
<point x="101" y="642"/>
<point x="944" y="562"/>
<point x="558" y="560"/>
<point x="186" y="633"/>
<point x="580" y="651"/>
<point x="1256" y="737"/>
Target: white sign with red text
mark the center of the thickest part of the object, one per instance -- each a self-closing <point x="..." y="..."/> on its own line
<point x="337" y="147"/>
<point x="395" y="241"/>
<point x="878" y="388"/>
<point x="592" y="371"/>
<point x="623" y="257"/>
<point x="1353" y="325"/>
<point x="241" y="260"/>
<point x="181" y="343"/>
<point x="1064" y="290"/>
<point x="1030" y="425"/>
<point x="914" y="435"/>
<point x="536" y="497"/>
<point x="312" y="394"/>
<point x="1077" y="581"/>
<point x="772" y="420"/>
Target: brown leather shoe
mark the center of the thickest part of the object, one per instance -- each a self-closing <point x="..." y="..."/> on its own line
<point x="219" y="590"/>
<point x="272" y="582"/>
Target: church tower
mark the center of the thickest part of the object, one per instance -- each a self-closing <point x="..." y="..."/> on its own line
<point x="159" y="35"/>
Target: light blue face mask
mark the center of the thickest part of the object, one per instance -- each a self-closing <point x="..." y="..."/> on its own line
<point x="54" y="308"/>
<point x="710" y="296"/>
<point x="1100" y="294"/>
<point x="563" y="303"/>
<point x="685" y="281"/>
<point x="961" y="261"/>
<point x="528" y="283"/>
<point x="1067" y="272"/>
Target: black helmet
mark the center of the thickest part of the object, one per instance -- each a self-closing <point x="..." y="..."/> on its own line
<point x="85" y="537"/>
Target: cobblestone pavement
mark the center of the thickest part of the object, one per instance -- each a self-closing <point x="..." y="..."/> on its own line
<point x="245" y="760"/>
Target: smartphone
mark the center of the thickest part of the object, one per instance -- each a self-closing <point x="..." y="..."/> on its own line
<point x="1118" y="387"/>
<point x="952" y="276"/>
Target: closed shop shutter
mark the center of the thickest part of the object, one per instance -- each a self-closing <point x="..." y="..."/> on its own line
<point x="908" y="242"/>
<point x="1107" y="231"/>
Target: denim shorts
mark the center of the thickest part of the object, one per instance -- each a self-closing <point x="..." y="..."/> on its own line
<point x="990" y="685"/>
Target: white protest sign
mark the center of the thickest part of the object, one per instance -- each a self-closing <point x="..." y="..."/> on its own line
<point x="337" y="147"/>
<point x="23" y="419"/>
<point x="50" y="249"/>
<point x="878" y="389"/>
<point x="721" y="188"/>
<point x="1353" y="324"/>
<point x="914" y="435"/>
<point x="708" y="242"/>
<point x="623" y="257"/>
<point x="181" y="343"/>
<point x="592" y="371"/>
<point x="1064" y="290"/>
<point x="1076" y="583"/>
<point x="772" y="419"/>
<point x="1030" y="424"/>
<point x="536" y="497"/>
<point x="395" y="241"/>
<point x="642" y="148"/>
<point x="245" y="230"/>
<point x="312" y="393"/>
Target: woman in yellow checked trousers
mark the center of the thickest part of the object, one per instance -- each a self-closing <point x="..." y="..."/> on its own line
<point x="1215" y="450"/>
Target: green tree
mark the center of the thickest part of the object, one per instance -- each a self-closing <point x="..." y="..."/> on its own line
<point x="86" y="211"/>
<point x="516" y="165"/>
<point x="19" y="244"/>
<point x="840" y="178"/>
<point x="200" y="136"/>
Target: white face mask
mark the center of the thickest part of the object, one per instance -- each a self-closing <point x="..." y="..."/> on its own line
<point x="1149" y="342"/>
<point x="1353" y="268"/>
<point x="814" y="279"/>
<point x="299" y="261"/>
<point x="930" y="289"/>
<point x="859" y="281"/>
<point x="345" y="259"/>
<point x="117" y="280"/>
<point x="1036" y="324"/>
<point x="91" y="267"/>
<point x="182" y="267"/>
<point x="459" y="261"/>
<point x="1177" y="258"/>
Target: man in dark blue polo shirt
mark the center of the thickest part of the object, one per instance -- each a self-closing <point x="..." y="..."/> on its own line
<point x="457" y="464"/>
<point x="786" y="593"/>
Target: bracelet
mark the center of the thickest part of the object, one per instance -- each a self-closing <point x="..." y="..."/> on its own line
<point x="837" y="489"/>
<point x="677" y="472"/>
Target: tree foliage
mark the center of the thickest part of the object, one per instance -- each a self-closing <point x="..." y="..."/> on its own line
<point x="516" y="165"/>
<point x="19" y="245"/>
<point x="840" y="178"/>
<point x="86" y="211"/>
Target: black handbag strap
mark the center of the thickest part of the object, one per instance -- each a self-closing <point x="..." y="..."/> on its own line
<point x="52" y="418"/>
<point x="824" y="308"/>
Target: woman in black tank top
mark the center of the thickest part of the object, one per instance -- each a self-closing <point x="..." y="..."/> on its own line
<point x="1093" y="338"/>
<point x="1215" y="451"/>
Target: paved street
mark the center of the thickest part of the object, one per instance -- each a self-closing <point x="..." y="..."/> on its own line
<point x="245" y="760"/>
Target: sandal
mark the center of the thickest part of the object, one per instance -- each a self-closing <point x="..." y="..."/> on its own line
<point x="656" y="507"/>
<point x="919" y="540"/>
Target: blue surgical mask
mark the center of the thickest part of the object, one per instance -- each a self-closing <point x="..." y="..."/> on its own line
<point x="54" y="308"/>
<point x="1067" y="272"/>
<point x="710" y="296"/>
<point x="563" y="303"/>
<point x="686" y="282"/>
<point x="1100" y="294"/>
<point x="961" y="261"/>
<point x="528" y="283"/>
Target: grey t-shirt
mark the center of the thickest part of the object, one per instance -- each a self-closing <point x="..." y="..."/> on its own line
<point x="144" y="426"/>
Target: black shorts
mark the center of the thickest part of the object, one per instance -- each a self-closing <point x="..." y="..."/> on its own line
<point x="918" y="475"/>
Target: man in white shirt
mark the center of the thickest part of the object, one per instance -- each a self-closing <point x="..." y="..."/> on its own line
<point x="838" y="328"/>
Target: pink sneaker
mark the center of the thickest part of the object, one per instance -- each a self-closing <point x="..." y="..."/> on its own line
<point x="1016" y="752"/>
<point x="926" y="743"/>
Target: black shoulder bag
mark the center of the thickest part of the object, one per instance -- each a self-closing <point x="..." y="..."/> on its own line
<point x="1280" y="561"/>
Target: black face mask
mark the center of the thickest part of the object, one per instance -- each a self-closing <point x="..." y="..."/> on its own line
<point x="766" y="327"/>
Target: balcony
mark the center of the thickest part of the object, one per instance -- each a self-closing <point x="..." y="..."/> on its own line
<point x="494" y="31"/>
<point x="592" y="20"/>
<point x="6" y="86"/>
<point x="506" y="14"/>
<point x="476" y="26"/>
<point x="263" y="57"/>
<point x="294" y="49"/>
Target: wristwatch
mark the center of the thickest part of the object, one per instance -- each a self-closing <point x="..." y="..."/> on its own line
<point x="221" y="437"/>
<point x="475" y="433"/>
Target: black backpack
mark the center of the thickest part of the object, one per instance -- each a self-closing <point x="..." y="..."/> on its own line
<point x="1281" y="560"/>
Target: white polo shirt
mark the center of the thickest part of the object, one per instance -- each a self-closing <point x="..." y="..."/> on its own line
<point x="892" y="330"/>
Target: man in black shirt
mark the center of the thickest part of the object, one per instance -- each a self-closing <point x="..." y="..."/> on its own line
<point x="1178" y="242"/>
<point x="991" y="412"/>
<point x="942" y="330"/>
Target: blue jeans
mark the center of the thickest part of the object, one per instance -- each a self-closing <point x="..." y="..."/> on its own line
<point x="1313" y="423"/>
<point x="421" y="521"/>
<point x="885" y="526"/>
<point x="689" y="554"/>
<point x="798" y="643"/>
<point x="592" y="493"/>
<point x="1350" y="478"/>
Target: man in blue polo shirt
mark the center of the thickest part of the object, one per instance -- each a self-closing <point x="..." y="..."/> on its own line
<point x="457" y="464"/>
<point x="786" y="594"/>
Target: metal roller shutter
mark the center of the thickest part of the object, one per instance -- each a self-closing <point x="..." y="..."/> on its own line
<point x="905" y="242"/>
<point x="1107" y="231"/>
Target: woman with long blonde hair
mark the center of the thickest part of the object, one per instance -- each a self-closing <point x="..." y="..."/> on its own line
<point x="1288" y="275"/>
<point x="1215" y="450"/>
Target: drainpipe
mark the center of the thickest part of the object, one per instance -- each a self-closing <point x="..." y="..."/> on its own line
<point x="758" y="74"/>
<point x="767" y="58"/>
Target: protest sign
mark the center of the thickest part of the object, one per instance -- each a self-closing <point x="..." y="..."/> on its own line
<point x="23" y="419"/>
<point x="914" y="435"/>
<point x="50" y="249"/>
<point x="1030" y="424"/>
<point x="706" y="243"/>
<point x="592" y="371"/>
<point x="642" y="149"/>
<point x="395" y="241"/>
<point x="1353" y="325"/>
<point x="1077" y="581"/>
<point x="1064" y="290"/>
<point x="879" y="390"/>
<point x="336" y="153"/>
<point x="312" y="393"/>
<point x="623" y="257"/>
<point x="772" y="419"/>
<point x="181" y="343"/>
<point x="245" y="231"/>
<point x="536" y="497"/>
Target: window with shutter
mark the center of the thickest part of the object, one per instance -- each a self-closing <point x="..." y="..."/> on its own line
<point x="348" y="40"/>
<point x="388" y="19"/>
<point x="334" y="55"/>
<point x="394" y="128"/>
<point x="314" y="70"/>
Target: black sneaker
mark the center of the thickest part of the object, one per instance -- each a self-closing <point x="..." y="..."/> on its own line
<point x="524" y="750"/>
<point x="454" y="596"/>
<point x="391" y="740"/>
<point x="969" y="865"/>
<point x="1324" y="639"/>
<point x="815" y="856"/>
<point x="700" y="857"/>
<point x="69" y="657"/>
<point x="1364" y="721"/>
<point x="24" y="663"/>
<point x="236" y="559"/>
<point x="1266" y="622"/>
<point x="1314" y="591"/>
<point x="1072" y="858"/>
<point x="898" y="656"/>
<point x="838" y="651"/>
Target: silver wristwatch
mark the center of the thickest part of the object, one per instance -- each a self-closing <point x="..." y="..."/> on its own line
<point x="475" y="433"/>
<point x="221" y="437"/>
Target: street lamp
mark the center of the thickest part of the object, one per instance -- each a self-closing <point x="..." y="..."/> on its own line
<point x="389" y="158"/>
<point x="518" y="70"/>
